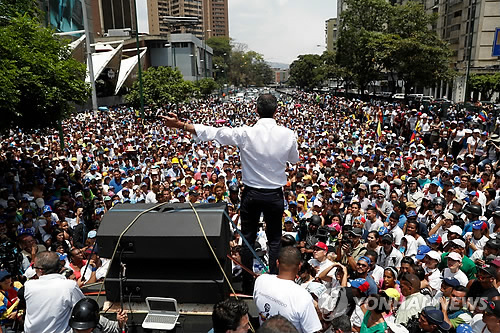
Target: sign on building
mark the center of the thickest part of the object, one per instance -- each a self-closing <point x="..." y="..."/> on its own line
<point x="496" y="44"/>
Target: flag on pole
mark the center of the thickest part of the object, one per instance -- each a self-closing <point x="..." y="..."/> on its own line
<point x="379" y="131"/>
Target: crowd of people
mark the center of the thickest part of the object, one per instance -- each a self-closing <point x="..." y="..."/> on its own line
<point x="393" y="210"/>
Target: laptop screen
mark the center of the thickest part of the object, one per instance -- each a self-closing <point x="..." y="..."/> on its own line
<point x="161" y="306"/>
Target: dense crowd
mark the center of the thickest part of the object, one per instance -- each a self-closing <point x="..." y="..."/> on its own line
<point x="398" y="204"/>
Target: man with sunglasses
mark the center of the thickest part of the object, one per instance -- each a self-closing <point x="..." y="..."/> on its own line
<point x="363" y="266"/>
<point x="388" y="255"/>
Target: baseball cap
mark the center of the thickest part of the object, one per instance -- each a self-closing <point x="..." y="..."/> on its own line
<point x="46" y="209"/>
<point x="321" y="246"/>
<point x="434" y="239"/>
<point x="360" y="284"/>
<point x="448" y="216"/>
<point x="422" y="251"/>
<point x="411" y="213"/>
<point x="392" y="293"/>
<point x="451" y="281"/>
<point x="357" y="232"/>
<point x="4" y="274"/>
<point x="436" y="317"/>
<point x="382" y="231"/>
<point x="488" y="269"/>
<point x="288" y="220"/>
<point x="458" y="242"/>
<point x="454" y="256"/>
<point x="92" y="234"/>
<point x="494" y="308"/>
<point x="464" y="328"/>
<point x="292" y="203"/>
<point x="366" y="259"/>
<point x="455" y="229"/>
<point x="434" y="255"/>
<point x="479" y="225"/>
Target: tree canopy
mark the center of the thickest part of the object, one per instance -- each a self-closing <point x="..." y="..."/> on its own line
<point x="236" y="65"/>
<point x="376" y="40"/>
<point x="161" y="85"/>
<point x="40" y="81"/>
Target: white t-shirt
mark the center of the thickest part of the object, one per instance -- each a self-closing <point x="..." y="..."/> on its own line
<point x="373" y="226"/>
<point x="322" y="265"/>
<point x="273" y="296"/>
<point x="459" y="275"/>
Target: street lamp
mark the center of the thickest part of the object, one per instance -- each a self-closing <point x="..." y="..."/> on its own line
<point x="139" y="67"/>
<point x="205" y="51"/>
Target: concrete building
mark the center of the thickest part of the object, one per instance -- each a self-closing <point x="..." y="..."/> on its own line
<point x="111" y="15"/>
<point x="215" y="18"/>
<point x="331" y="33"/>
<point x="280" y="75"/>
<point x="469" y="28"/>
<point x="159" y="9"/>
<point x="184" y="51"/>
<point x="212" y="15"/>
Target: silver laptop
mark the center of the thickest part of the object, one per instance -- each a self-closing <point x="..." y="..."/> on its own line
<point x="162" y="313"/>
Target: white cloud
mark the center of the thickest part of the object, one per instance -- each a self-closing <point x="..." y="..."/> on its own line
<point x="280" y="29"/>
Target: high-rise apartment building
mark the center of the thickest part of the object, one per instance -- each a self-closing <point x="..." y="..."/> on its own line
<point x="469" y="28"/>
<point x="112" y="14"/>
<point x="215" y="18"/>
<point x="212" y="16"/>
<point x="331" y="33"/>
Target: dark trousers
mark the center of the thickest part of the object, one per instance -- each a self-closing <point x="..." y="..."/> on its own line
<point x="270" y="204"/>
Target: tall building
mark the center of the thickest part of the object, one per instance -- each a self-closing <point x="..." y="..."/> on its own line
<point x="331" y="33"/>
<point x="212" y="15"/>
<point x="469" y="28"/>
<point x="112" y="15"/>
<point x="215" y="18"/>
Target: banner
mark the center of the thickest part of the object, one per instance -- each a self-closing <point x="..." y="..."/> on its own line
<point x="496" y="44"/>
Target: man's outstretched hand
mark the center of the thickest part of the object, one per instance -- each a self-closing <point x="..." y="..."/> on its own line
<point x="171" y="120"/>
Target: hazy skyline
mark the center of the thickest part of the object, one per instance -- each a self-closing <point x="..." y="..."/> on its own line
<point x="279" y="29"/>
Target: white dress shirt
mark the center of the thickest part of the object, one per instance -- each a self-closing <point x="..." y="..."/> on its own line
<point x="49" y="301"/>
<point x="264" y="149"/>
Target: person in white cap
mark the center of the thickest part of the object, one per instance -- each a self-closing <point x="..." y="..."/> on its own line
<point x="453" y="269"/>
<point x="430" y="265"/>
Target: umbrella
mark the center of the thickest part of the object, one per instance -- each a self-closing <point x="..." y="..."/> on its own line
<point x="220" y="121"/>
<point x="103" y="108"/>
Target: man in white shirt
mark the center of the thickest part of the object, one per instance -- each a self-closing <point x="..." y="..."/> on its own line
<point x="279" y="294"/>
<point x="388" y="255"/>
<point x="319" y="260"/>
<point x="265" y="149"/>
<point x="49" y="299"/>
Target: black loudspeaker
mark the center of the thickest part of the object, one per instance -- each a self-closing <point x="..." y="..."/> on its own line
<point x="165" y="252"/>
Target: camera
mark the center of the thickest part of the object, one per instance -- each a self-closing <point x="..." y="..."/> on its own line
<point x="322" y="234"/>
<point x="11" y="258"/>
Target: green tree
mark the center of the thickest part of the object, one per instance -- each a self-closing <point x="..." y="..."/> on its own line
<point x="248" y="68"/>
<point x="206" y="86"/>
<point x="411" y="50"/>
<point x="307" y="71"/>
<point x="486" y="84"/>
<point x="161" y="85"/>
<point x="222" y="53"/>
<point x="362" y="28"/>
<point x="40" y="82"/>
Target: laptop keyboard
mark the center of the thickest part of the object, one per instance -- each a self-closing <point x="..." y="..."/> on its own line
<point x="160" y="319"/>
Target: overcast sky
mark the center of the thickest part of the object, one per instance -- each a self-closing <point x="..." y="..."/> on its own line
<point x="279" y="29"/>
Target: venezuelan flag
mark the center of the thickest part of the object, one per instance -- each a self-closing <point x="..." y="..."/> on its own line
<point x="483" y="115"/>
<point x="413" y="137"/>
